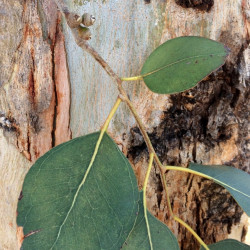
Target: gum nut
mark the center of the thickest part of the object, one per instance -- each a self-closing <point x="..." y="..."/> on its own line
<point x="88" y="19"/>
<point x="84" y="33"/>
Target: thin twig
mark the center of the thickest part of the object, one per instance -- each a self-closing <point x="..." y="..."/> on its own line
<point x="123" y="95"/>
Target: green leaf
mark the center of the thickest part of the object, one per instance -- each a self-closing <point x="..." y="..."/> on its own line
<point x="234" y="180"/>
<point x="104" y="211"/>
<point x="162" y="237"/>
<point x="228" y="244"/>
<point x="179" y="64"/>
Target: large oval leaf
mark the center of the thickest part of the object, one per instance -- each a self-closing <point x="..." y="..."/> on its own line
<point x="179" y="64"/>
<point x="104" y="211"/>
<point x="161" y="235"/>
<point x="234" y="180"/>
<point x="228" y="244"/>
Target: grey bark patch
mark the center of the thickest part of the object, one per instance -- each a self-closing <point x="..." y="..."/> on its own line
<point x="204" y="5"/>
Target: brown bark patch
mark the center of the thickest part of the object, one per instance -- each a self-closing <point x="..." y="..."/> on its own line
<point x="204" y="5"/>
<point x="38" y="92"/>
<point x="61" y="122"/>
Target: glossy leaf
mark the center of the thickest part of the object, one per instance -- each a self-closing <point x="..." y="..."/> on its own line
<point x="228" y="244"/>
<point x="179" y="64"/>
<point x="104" y="211"/>
<point x="161" y="235"/>
<point x="234" y="180"/>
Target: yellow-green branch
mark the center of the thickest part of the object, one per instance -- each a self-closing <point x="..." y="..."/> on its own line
<point x="111" y="114"/>
<point x="167" y="194"/>
<point x="132" y="78"/>
<point x="205" y="176"/>
<point x="151" y="158"/>
<point x="197" y="237"/>
<point x="187" y="170"/>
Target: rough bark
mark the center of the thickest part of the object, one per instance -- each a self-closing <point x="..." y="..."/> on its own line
<point x="207" y="124"/>
<point x="34" y="97"/>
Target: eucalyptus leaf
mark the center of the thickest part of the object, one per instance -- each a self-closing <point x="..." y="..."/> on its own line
<point x="234" y="180"/>
<point x="100" y="216"/>
<point x="228" y="244"/>
<point x="161" y="235"/>
<point x="180" y="63"/>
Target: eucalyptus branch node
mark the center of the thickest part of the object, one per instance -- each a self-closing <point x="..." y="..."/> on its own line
<point x="122" y="97"/>
<point x="73" y="19"/>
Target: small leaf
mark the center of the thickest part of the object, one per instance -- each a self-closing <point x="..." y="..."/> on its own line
<point x="228" y="244"/>
<point x="162" y="237"/>
<point x="104" y="211"/>
<point x="179" y="64"/>
<point x="234" y="180"/>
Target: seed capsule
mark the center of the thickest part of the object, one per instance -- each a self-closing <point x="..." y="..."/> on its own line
<point x="84" y="33"/>
<point x="87" y="19"/>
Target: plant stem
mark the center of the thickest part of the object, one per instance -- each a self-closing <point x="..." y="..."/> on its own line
<point x="151" y="158"/>
<point x="188" y="171"/>
<point x="133" y="78"/>
<point x="151" y="150"/>
<point x="111" y="114"/>
<point x="192" y="231"/>
<point x="205" y="176"/>
<point x="166" y="190"/>
<point x="85" y="46"/>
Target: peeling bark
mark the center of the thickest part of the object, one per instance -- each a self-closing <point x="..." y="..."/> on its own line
<point x="35" y="97"/>
<point x="62" y="131"/>
<point x="39" y="86"/>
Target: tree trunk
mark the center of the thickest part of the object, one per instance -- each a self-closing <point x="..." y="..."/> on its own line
<point x="207" y="124"/>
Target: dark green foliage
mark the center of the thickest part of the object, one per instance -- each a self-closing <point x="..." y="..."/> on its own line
<point x="179" y="64"/>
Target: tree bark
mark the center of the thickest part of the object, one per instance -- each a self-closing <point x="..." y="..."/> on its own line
<point x="208" y="124"/>
<point x="34" y="98"/>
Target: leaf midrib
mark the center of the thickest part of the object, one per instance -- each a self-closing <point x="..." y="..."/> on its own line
<point x="179" y="61"/>
<point x="80" y="186"/>
<point x="221" y="182"/>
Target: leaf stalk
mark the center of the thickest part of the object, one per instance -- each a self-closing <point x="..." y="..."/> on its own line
<point x="188" y="171"/>
<point x="111" y="114"/>
<point x="133" y="78"/>
<point x="150" y="164"/>
<point x="191" y="231"/>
